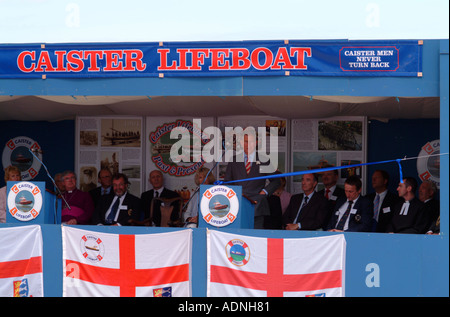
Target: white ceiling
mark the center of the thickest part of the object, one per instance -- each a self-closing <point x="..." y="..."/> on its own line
<point x="54" y="108"/>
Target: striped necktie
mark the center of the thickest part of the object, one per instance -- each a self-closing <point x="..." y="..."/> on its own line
<point x="341" y="224"/>
<point x="248" y="165"/>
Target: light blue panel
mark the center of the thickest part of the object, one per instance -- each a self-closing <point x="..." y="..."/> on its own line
<point x="444" y="136"/>
<point x="216" y="86"/>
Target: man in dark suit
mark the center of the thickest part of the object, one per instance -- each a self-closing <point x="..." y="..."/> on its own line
<point x="105" y="188"/>
<point x="306" y="211"/>
<point x="251" y="167"/>
<point x="427" y="191"/>
<point x="354" y="212"/>
<point x="331" y="191"/>
<point x="383" y="201"/>
<point x="156" y="179"/>
<point x="118" y="209"/>
<point x="408" y="215"/>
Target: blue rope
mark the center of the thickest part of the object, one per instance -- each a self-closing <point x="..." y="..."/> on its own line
<point x="318" y="170"/>
<point x="400" y="170"/>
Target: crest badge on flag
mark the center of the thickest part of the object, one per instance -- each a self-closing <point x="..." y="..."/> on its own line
<point x="21" y="262"/>
<point x="112" y="265"/>
<point x="259" y="267"/>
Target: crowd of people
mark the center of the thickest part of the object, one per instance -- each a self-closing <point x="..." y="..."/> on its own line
<point x="332" y="208"/>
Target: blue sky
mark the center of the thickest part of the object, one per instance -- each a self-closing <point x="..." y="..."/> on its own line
<point x="61" y="21"/>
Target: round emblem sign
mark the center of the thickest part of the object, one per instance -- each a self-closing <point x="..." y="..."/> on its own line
<point x="92" y="248"/>
<point x="17" y="153"/>
<point x="238" y="252"/>
<point x="428" y="163"/>
<point x="219" y="206"/>
<point x="24" y="201"/>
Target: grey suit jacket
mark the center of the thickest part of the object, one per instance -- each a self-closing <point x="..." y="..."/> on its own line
<point x="236" y="171"/>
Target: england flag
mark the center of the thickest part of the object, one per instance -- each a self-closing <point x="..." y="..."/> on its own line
<point x="21" y="262"/>
<point x="101" y="264"/>
<point x="246" y="266"/>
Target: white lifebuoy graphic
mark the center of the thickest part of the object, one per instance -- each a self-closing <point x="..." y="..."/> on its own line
<point x="17" y="153"/>
<point x="428" y="163"/>
<point x="219" y="206"/>
<point x="25" y="201"/>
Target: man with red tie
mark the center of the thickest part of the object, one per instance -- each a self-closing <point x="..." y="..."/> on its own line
<point x="256" y="190"/>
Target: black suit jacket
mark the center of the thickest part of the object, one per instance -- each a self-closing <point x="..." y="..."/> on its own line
<point x="386" y="210"/>
<point x="96" y="194"/>
<point x="147" y="198"/>
<point x="130" y="209"/>
<point x="338" y="193"/>
<point x="312" y="216"/>
<point x="360" y="221"/>
<point x="432" y="212"/>
<point x="414" y="222"/>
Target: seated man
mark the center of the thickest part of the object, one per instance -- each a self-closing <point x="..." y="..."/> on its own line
<point x="306" y="211"/>
<point x="156" y="179"/>
<point x="117" y="209"/>
<point x="352" y="212"/>
<point x="383" y="201"/>
<point x="408" y="215"/>
<point x="331" y="191"/>
<point x="105" y="188"/>
<point x="427" y="191"/>
<point x="80" y="203"/>
<point x="191" y="214"/>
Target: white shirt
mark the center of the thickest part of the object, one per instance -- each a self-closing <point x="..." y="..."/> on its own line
<point x="405" y="208"/>
<point x="118" y="210"/>
<point x="159" y="191"/>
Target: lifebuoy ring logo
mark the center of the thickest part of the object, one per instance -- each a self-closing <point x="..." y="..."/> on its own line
<point x="238" y="252"/>
<point x="428" y="163"/>
<point x="17" y="153"/>
<point x="219" y="206"/>
<point x="25" y="201"/>
<point x="92" y="248"/>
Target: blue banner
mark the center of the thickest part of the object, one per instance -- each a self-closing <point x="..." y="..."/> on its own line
<point x="248" y="58"/>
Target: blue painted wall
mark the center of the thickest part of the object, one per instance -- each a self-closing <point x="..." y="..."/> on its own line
<point x="409" y="265"/>
<point x="57" y="140"/>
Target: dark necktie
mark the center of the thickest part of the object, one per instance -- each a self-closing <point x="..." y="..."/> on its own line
<point x="112" y="214"/>
<point x="156" y="194"/>
<point x="340" y="225"/>
<point x="300" y="209"/>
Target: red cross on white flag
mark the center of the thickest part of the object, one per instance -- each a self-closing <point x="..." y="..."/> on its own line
<point x="103" y="264"/>
<point x="21" y="262"/>
<point x="259" y="267"/>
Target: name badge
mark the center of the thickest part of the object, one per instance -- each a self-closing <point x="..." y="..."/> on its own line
<point x="386" y="210"/>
